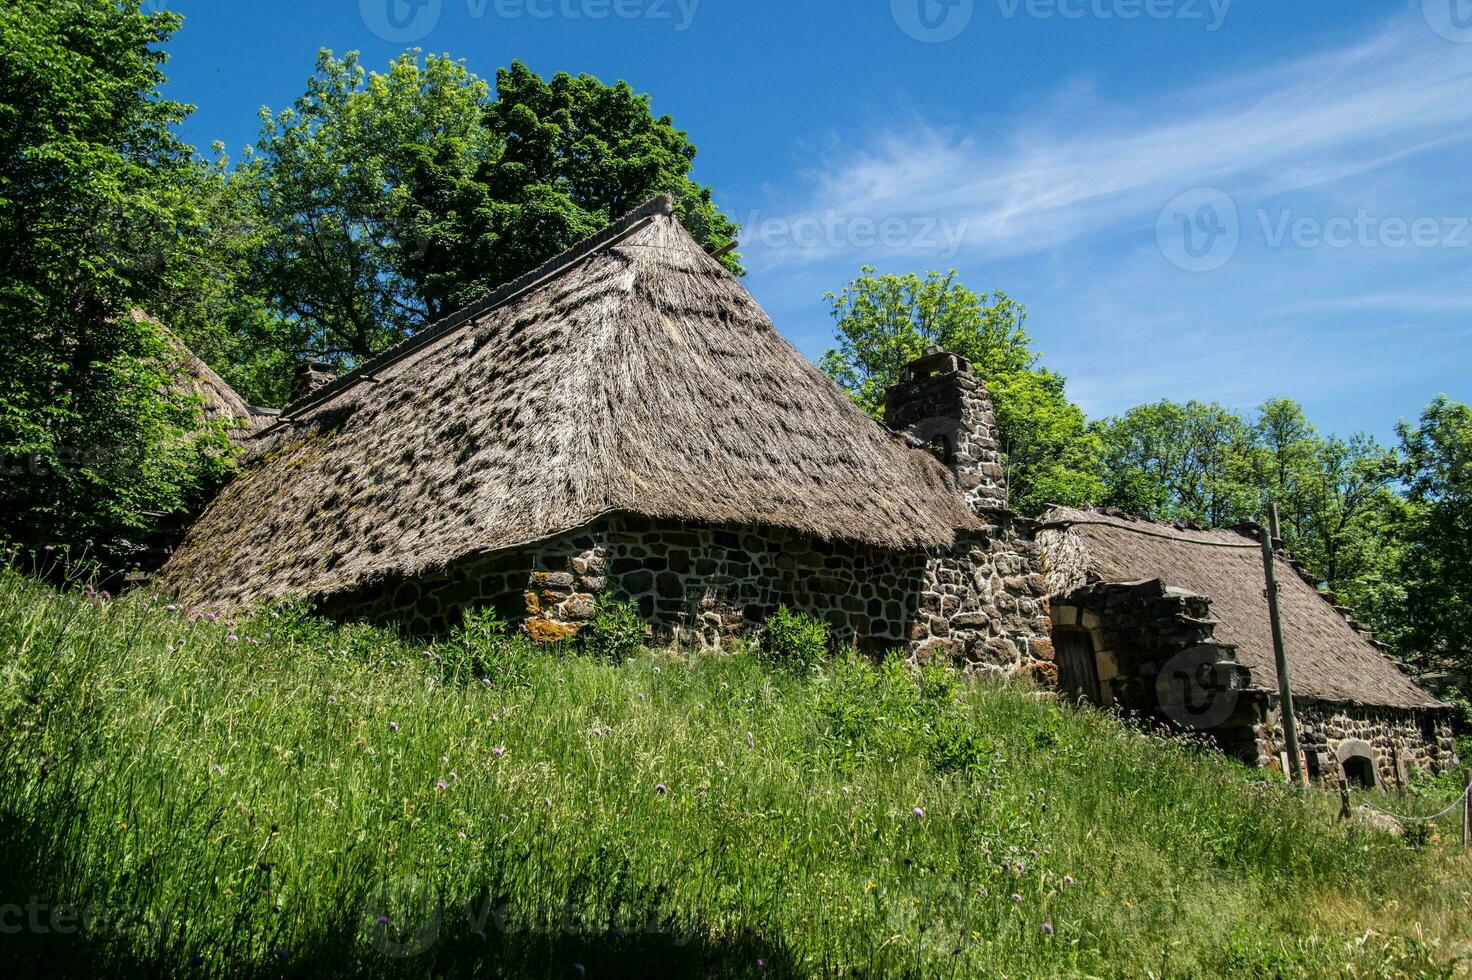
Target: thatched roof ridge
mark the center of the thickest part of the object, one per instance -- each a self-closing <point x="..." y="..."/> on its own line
<point x="660" y="205"/>
<point x="634" y="374"/>
<point x="191" y="377"/>
<point x="1328" y="658"/>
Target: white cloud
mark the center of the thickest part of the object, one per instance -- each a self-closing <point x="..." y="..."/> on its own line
<point x="1304" y="124"/>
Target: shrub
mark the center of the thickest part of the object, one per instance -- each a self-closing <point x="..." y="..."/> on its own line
<point x="615" y="632"/>
<point x="794" y="640"/>
<point x="480" y="650"/>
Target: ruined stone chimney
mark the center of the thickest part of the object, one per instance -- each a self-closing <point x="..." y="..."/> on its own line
<point x="941" y="404"/>
<point x="311" y="377"/>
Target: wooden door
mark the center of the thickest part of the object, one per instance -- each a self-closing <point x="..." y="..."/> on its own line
<point x="1078" y="672"/>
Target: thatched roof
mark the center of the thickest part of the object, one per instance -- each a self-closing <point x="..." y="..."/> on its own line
<point x="193" y="378"/>
<point x="1328" y="658"/>
<point x="632" y="374"/>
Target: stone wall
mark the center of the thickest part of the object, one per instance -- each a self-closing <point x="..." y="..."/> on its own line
<point x="695" y="584"/>
<point x="984" y="605"/>
<point x="980" y="603"/>
<point x="1397" y="742"/>
<point x="1156" y="655"/>
<point x="940" y="404"/>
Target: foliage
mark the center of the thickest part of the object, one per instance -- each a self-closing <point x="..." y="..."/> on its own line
<point x="227" y="799"/>
<point x="1181" y="462"/>
<point x="578" y="155"/>
<point x="92" y="204"/>
<point x="795" y="640"/>
<point x="1435" y="556"/>
<point x="616" y="630"/>
<point x="212" y="295"/>
<point x="363" y="176"/>
<point x="885" y="321"/>
<point x="391" y="200"/>
<point x="1207" y="464"/>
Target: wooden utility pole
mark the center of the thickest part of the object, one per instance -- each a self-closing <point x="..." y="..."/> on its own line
<point x="1285" y="689"/>
<point x="1467" y="809"/>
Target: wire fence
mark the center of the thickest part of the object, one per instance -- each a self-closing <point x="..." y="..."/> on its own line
<point x="1458" y="804"/>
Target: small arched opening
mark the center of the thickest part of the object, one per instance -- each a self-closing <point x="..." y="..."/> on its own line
<point x="1357" y="760"/>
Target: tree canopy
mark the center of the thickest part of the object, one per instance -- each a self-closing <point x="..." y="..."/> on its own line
<point x="93" y="202"/>
<point x="882" y="322"/>
<point x="388" y="200"/>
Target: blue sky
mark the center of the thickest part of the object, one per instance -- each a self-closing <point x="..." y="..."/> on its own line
<point x="1218" y="199"/>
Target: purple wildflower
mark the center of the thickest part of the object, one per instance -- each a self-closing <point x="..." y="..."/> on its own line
<point x="1016" y="897"/>
<point x="1068" y="879"/>
<point x="761" y="964"/>
<point x="233" y="638"/>
<point x="441" y="784"/>
<point x="382" y="920"/>
<point x="393" y="726"/>
<point x="498" y="751"/>
<point x="1047" y="928"/>
<point x="661" y="789"/>
<point x="918" y="812"/>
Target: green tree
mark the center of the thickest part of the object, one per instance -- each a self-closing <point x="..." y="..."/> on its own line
<point x="882" y="322"/>
<point x="363" y="176"/>
<point x="577" y="155"/>
<point x="1436" y="562"/>
<point x="94" y="436"/>
<point x="1187" y="462"/>
<point x="390" y="200"/>
<point x="211" y="293"/>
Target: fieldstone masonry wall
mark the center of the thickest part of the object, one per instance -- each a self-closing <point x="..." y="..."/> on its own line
<point x="983" y="604"/>
<point x="694" y="584"/>
<point x="980" y="604"/>
<point x="1397" y="743"/>
<point x="940" y="404"/>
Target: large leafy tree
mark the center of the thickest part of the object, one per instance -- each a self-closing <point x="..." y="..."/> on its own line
<point x="1436" y="539"/>
<point x="212" y="295"/>
<point x="92" y="193"/>
<point x="390" y="199"/>
<point x="884" y="321"/>
<point x="366" y="174"/>
<point x="1335" y="497"/>
<point x="1177" y="461"/>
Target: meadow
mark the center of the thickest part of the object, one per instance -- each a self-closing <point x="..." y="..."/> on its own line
<point x="283" y="797"/>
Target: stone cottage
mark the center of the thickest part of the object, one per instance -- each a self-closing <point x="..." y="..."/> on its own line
<point x="1173" y="621"/>
<point x="626" y="421"/>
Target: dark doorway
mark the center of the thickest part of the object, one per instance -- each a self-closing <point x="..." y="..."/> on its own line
<point x="1359" y="772"/>
<point x="1078" y="672"/>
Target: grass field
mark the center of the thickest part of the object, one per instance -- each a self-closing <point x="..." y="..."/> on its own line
<point x="283" y="798"/>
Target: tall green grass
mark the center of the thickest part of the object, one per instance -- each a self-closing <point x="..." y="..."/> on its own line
<point x="278" y="798"/>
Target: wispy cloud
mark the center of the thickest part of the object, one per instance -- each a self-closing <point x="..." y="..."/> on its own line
<point x="1305" y="124"/>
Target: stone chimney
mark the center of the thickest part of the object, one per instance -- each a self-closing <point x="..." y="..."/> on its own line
<point x="311" y="377"/>
<point x="941" y="404"/>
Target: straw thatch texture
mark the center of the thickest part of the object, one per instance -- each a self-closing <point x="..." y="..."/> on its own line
<point x="637" y="377"/>
<point x="1327" y="657"/>
<point x="193" y="378"/>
